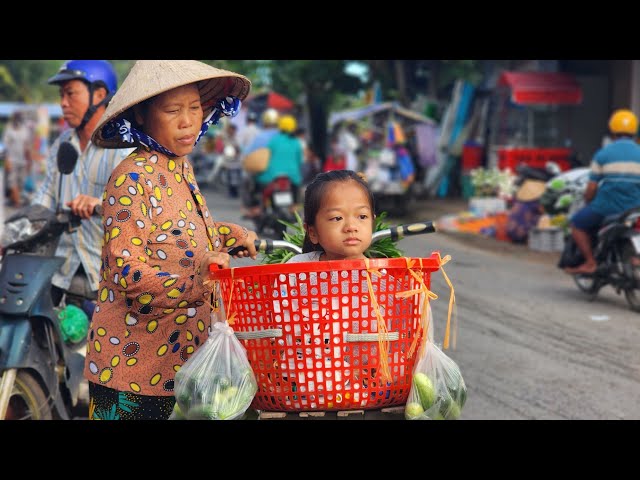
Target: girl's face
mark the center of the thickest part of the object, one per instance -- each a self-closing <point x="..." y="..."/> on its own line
<point x="344" y="223"/>
<point x="173" y="119"/>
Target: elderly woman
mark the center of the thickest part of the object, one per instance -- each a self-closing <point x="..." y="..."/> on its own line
<point x="154" y="304"/>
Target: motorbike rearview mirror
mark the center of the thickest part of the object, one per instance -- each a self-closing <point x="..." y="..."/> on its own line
<point x="553" y="168"/>
<point x="67" y="158"/>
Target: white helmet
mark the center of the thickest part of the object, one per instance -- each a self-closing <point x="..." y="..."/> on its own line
<point x="270" y="117"/>
<point x="229" y="151"/>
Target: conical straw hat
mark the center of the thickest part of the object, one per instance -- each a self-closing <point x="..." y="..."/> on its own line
<point x="530" y="190"/>
<point x="148" y="78"/>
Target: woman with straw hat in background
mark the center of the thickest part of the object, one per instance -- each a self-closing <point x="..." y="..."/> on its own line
<point x="154" y="308"/>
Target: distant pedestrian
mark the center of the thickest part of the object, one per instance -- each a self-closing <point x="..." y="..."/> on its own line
<point x="248" y="133"/>
<point x="17" y="142"/>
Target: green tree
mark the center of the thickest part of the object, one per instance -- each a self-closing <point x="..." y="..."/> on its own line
<point x="29" y="80"/>
<point x="403" y="80"/>
<point x="7" y="84"/>
<point x="318" y="85"/>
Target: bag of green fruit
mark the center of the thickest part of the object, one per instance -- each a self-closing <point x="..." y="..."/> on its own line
<point x="217" y="382"/>
<point x="438" y="391"/>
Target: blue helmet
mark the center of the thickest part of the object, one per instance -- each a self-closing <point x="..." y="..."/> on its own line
<point x="94" y="72"/>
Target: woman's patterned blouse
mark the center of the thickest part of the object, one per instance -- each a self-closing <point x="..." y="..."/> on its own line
<point x="152" y="311"/>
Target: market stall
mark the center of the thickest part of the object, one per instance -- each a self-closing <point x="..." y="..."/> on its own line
<point x="389" y="149"/>
<point x="531" y="119"/>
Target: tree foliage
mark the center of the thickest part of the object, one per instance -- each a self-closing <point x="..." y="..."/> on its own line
<point x="26" y="80"/>
<point x="316" y="84"/>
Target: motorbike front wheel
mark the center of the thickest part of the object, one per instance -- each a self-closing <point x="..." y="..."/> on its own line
<point x="631" y="263"/>
<point x="28" y="400"/>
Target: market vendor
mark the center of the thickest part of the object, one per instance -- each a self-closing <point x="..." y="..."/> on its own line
<point x="405" y="168"/>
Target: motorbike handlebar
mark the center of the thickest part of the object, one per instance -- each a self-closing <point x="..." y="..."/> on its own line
<point x="75" y="220"/>
<point x="395" y="233"/>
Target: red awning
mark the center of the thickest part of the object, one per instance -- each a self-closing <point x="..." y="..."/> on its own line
<point x="279" y="102"/>
<point x="529" y="88"/>
<point x="272" y="100"/>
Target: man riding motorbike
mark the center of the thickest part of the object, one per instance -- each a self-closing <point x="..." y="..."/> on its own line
<point x="86" y="86"/>
<point x="614" y="185"/>
<point x="286" y="156"/>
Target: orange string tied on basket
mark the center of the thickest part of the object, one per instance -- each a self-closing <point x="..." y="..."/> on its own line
<point x="231" y="319"/>
<point x="427" y="295"/>
<point x="383" y="338"/>
<point x="452" y="301"/>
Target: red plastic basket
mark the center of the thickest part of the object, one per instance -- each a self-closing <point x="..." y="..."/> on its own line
<point x="510" y="158"/>
<point x="311" y="330"/>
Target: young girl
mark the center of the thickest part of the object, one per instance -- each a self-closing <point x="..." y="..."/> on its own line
<point x="338" y="217"/>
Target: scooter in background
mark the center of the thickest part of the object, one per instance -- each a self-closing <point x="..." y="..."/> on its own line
<point x="616" y="245"/>
<point x="277" y="204"/>
<point x="41" y="374"/>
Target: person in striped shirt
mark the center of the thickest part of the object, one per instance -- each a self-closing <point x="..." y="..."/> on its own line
<point x="613" y="188"/>
<point x="86" y="86"/>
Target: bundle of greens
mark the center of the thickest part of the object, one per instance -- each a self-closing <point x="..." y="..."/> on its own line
<point x="383" y="248"/>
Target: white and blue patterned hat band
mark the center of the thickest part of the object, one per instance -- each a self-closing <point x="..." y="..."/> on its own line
<point x="221" y="93"/>
<point x="121" y="129"/>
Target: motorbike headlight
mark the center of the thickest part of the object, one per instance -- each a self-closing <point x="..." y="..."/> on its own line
<point x="20" y="229"/>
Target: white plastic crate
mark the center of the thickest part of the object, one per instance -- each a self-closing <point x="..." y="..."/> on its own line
<point x="484" y="206"/>
<point x="546" y="239"/>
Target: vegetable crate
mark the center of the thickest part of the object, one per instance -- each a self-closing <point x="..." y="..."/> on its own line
<point x="316" y="333"/>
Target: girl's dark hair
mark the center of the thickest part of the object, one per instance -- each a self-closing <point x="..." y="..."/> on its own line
<point x="316" y="191"/>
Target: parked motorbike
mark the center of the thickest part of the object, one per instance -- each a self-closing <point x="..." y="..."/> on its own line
<point x="616" y="245"/>
<point x="42" y="375"/>
<point x="277" y="204"/>
<point x="564" y="193"/>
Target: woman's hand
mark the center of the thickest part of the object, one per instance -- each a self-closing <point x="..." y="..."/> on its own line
<point x="217" y="258"/>
<point x="250" y="245"/>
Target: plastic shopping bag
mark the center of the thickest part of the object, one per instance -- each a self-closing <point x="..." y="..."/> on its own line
<point x="217" y="382"/>
<point x="438" y="391"/>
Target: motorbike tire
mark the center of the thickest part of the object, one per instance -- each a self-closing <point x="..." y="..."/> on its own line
<point x="633" y="272"/>
<point x="29" y="400"/>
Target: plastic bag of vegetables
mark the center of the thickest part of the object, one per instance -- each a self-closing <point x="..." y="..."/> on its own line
<point x="438" y="391"/>
<point x="217" y="382"/>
